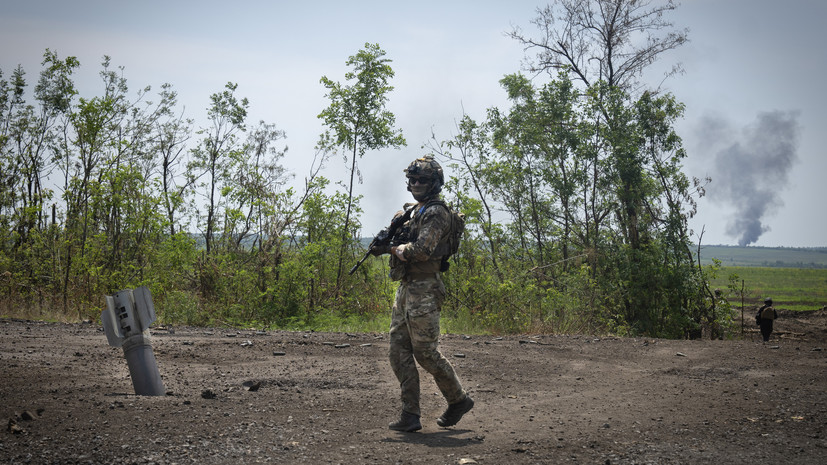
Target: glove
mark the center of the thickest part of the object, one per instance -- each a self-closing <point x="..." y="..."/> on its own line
<point x="378" y="250"/>
<point x="398" y="251"/>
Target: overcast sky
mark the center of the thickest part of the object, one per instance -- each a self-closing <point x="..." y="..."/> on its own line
<point x="753" y="87"/>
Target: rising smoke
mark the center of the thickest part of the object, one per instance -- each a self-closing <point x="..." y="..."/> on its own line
<point x="752" y="167"/>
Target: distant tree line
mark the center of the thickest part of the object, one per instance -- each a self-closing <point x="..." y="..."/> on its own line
<point x="576" y="202"/>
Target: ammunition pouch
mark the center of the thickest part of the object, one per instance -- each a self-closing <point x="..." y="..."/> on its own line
<point x="397" y="268"/>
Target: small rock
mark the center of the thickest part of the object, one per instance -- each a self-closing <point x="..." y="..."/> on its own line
<point x="341" y="346"/>
<point x="279" y="354"/>
<point x="207" y="394"/>
<point x="466" y="461"/>
<point x="247" y="343"/>
<point x="366" y="345"/>
<point x="459" y="355"/>
<point x="251" y="385"/>
<point x="27" y="416"/>
<point x="680" y="354"/>
<point x="13" y="427"/>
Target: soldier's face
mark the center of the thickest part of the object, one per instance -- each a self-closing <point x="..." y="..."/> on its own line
<point x="419" y="187"/>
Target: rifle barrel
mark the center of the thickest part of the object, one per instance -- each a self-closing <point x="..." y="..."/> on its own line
<point x="353" y="270"/>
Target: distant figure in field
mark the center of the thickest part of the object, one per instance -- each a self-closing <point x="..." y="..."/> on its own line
<point x="765" y="316"/>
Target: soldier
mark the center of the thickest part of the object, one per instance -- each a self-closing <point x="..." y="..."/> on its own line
<point x="765" y="317"/>
<point x="414" y="331"/>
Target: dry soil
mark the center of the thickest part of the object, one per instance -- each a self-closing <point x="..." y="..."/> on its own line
<point x="328" y="397"/>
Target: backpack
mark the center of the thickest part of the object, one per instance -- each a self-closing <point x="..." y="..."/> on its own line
<point x="768" y="313"/>
<point x="455" y="232"/>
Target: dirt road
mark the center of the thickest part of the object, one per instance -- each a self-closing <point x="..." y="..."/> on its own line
<point x="328" y="397"/>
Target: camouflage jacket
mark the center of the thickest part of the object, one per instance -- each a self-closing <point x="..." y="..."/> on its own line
<point x="428" y="230"/>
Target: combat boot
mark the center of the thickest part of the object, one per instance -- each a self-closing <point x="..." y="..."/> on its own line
<point x="408" y="422"/>
<point x="455" y="411"/>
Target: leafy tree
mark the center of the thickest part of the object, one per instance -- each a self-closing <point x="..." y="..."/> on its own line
<point x="172" y="134"/>
<point x="539" y="141"/>
<point x="108" y="157"/>
<point x="576" y="205"/>
<point x="253" y="189"/>
<point x="470" y="153"/>
<point x="259" y="209"/>
<point x="357" y="119"/>
<point x="629" y="146"/>
<point x="213" y="160"/>
<point x="26" y="133"/>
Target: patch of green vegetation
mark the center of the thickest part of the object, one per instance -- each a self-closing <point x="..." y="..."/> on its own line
<point x="775" y="257"/>
<point x="328" y="322"/>
<point x="790" y="288"/>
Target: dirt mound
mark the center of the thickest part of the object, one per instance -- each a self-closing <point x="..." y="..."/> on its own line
<point x="328" y="397"/>
<point x="810" y="325"/>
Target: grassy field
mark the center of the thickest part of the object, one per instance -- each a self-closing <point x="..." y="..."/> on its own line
<point x="789" y="288"/>
<point x="776" y="257"/>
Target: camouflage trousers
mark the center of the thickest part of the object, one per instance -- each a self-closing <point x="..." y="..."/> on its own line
<point x="414" y="337"/>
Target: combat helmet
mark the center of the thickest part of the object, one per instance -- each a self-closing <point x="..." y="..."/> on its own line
<point x="428" y="168"/>
<point x="768" y="301"/>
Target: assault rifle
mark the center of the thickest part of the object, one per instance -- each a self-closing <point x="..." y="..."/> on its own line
<point x="390" y="236"/>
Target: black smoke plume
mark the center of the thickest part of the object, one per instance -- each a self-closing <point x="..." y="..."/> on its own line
<point x="752" y="169"/>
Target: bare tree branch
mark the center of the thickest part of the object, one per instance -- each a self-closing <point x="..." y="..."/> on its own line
<point x="608" y="40"/>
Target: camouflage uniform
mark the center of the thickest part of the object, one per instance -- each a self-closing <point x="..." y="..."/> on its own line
<point x="414" y="332"/>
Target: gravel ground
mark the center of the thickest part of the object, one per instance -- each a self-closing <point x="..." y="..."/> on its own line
<point x="311" y="398"/>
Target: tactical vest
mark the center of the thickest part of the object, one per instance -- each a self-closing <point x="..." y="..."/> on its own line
<point x="430" y="267"/>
